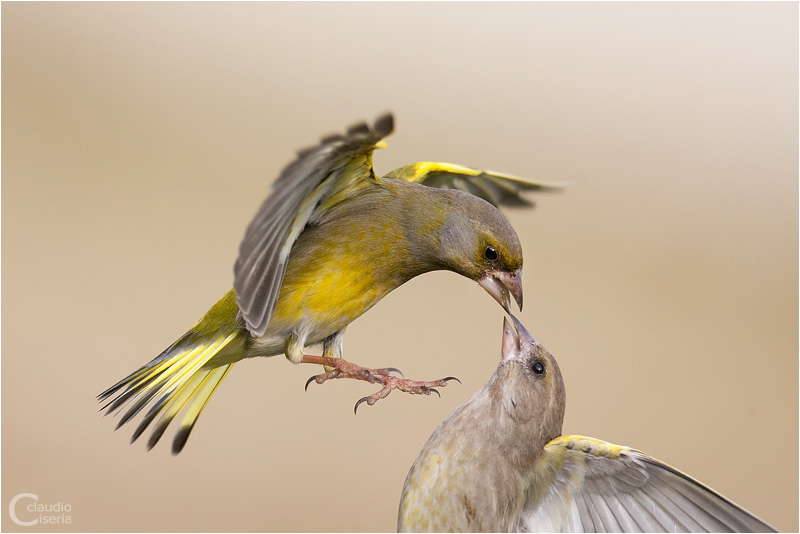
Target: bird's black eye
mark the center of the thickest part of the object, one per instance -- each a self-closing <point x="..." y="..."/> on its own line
<point x="538" y="368"/>
<point x="490" y="253"/>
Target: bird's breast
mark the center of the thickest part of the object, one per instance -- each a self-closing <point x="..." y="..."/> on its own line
<point x="339" y="270"/>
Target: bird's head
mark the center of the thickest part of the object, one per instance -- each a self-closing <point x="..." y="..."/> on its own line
<point x="478" y="242"/>
<point x="528" y="384"/>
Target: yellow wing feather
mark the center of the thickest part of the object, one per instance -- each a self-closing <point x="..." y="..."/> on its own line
<point x="497" y="188"/>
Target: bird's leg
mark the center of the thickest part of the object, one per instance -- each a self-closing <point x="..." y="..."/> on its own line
<point x="339" y="368"/>
<point x="343" y="369"/>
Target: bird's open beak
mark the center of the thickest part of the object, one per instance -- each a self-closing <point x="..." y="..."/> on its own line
<point x="502" y="285"/>
<point x="515" y="338"/>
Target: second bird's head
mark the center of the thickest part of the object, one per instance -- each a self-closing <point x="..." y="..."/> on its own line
<point x="529" y="386"/>
<point x="477" y="241"/>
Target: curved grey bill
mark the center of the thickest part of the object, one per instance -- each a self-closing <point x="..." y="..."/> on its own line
<point x="503" y="285"/>
<point x="516" y="338"/>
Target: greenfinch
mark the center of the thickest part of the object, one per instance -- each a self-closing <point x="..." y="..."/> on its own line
<point x="329" y="242"/>
<point x="499" y="463"/>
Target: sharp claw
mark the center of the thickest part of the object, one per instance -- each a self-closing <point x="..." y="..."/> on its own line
<point x="309" y="381"/>
<point x="381" y="377"/>
<point x="355" y="408"/>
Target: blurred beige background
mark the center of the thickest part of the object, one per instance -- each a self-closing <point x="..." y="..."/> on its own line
<point x="139" y="139"/>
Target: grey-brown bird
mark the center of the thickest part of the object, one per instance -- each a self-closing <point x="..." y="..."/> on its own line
<point x="499" y="463"/>
<point x="330" y="242"/>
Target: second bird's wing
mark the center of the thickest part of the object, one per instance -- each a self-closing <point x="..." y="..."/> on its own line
<point x="494" y="187"/>
<point x="597" y="486"/>
<point x="334" y="168"/>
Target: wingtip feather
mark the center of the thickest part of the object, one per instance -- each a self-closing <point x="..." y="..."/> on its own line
<point x="384" y="125"/>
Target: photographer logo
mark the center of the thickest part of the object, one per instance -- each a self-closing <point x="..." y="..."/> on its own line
<point x="26" y="510"/>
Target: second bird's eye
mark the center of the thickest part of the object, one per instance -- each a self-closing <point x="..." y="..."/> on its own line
<point x="537" y="368"/>
<point x="490" y="253"/>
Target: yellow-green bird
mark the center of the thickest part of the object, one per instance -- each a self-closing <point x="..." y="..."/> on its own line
<point x="499" y="463"/>
<point x="329" y="242"/>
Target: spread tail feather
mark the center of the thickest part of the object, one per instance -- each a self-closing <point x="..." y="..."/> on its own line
<point x="177" y="380"/>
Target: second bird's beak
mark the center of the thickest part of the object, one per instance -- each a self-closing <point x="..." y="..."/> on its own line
<point x="501" y="284"/>
<point x="516" y="339"/>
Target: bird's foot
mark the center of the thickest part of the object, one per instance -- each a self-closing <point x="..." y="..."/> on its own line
<point x="343" y="369"/>
<point x="415" y="387"/>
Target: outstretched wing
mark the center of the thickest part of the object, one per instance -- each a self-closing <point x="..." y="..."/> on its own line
<point x="601" y="487"/>
<point x="334" y="167"/>
<point x="497" y="188"/>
